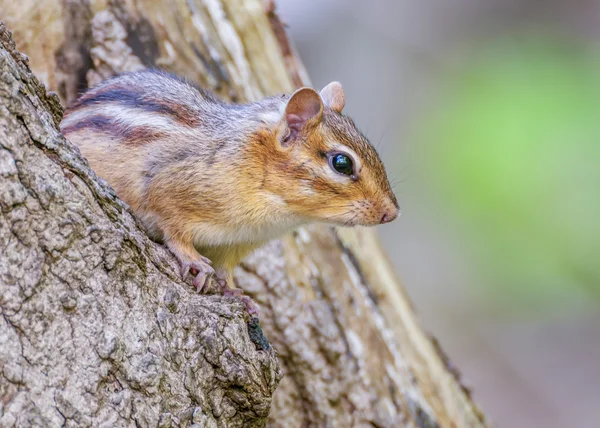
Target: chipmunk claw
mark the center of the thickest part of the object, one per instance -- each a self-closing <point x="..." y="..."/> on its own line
<point x="200" y="281"/>
<point x="232" y="292"/>
<point x="222" y="284"/>
<point x="200" y="270"/>
<point x="251" y="307"/>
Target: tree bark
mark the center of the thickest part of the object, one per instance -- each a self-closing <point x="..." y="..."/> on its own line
<point x="98" y="330"/>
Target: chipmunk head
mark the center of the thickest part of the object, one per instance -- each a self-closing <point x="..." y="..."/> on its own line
<point x="336" y="174"/>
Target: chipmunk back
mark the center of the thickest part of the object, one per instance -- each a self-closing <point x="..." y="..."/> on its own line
<point x="215" y="180"/>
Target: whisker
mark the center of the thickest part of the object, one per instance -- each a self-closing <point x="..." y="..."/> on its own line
<point x="349" y="221"/>
<point x="339" y="206"/>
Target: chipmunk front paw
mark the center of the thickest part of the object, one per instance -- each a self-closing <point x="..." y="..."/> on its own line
<point x="200" y="270"/>
<point x="197" y="265"/>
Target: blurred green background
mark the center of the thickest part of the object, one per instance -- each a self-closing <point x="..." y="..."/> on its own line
<point x="487" y="114"/>
<point x="513" y="153"/>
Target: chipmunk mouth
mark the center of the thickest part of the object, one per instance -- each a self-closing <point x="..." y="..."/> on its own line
<point x="354" y="218"/>
<point x="368" y="213"/>
<point x="359" y="222"/>
<point x="357" y="213"/>
<point x="344" y="218"/>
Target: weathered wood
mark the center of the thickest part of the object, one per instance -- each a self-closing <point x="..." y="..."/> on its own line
<point x="348" y="342"/>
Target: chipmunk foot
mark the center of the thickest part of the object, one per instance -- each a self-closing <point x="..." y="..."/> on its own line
<point x="224" y="280"/>
<point x="197" y="265"/>
<point x="200" y="270"/>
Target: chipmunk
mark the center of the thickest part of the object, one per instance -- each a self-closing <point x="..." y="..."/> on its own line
<point x="214" y="180"/>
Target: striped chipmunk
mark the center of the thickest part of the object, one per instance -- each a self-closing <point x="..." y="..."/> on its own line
<point x="213" y="180"/>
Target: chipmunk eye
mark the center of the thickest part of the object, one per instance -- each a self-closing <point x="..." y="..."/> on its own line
<point x="342" y="164"/>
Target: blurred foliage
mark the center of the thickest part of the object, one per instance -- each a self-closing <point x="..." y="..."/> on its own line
<point x="514" y="152"/>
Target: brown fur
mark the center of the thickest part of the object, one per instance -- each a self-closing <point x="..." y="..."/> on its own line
<point x="221" y="178"/>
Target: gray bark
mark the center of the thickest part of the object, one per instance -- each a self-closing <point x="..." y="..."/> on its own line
<point x="96" y="330"/>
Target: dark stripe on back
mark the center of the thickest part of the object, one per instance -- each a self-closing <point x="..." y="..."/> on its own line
<point x="130" y="135"/>
<point x="97" y="122"/>
<point x="136" y="99"/>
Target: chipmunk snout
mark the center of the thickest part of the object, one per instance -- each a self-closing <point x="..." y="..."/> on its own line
<point x="390" y="212"/>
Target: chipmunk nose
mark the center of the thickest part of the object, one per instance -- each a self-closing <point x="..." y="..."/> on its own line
<point x="390" y="214"/>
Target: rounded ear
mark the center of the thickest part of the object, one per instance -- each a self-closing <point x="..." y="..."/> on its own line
<point x="333" y="96"/>
<point x="305" y="106"/>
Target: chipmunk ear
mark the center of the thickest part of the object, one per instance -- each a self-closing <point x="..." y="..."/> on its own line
<point x="305" y="108"/>
<point x="333" y="96"/>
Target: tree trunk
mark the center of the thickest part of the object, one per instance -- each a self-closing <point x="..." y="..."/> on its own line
<point x="98" y="330"/>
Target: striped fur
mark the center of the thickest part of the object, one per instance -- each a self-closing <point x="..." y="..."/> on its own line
<point x="208" y="176"/>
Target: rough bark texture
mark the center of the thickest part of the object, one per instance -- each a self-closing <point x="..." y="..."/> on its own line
<point x="97" y="330"/>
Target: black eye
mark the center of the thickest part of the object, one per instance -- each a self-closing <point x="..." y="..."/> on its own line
<point x="342" y="164"/>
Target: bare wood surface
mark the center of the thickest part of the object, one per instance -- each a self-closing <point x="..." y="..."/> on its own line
<point x="347" y="340"/>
